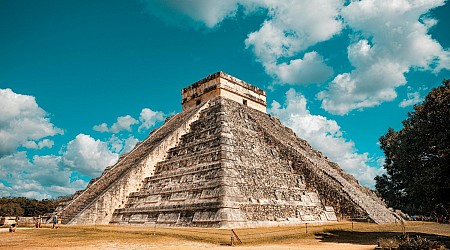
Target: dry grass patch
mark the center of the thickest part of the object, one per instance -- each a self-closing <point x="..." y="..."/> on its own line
<point x="363" y="235"/>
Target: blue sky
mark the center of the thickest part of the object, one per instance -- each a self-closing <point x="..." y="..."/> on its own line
<point x="82" y="81"/>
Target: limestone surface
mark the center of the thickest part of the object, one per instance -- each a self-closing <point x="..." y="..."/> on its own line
<point x="222" y="163"/>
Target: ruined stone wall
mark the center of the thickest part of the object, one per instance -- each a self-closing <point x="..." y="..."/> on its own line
<point x="96" y="204"/>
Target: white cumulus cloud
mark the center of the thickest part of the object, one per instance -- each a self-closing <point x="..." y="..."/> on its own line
<point x="207" y="12"/>
<point x="324" y="135"/>
<point x="88" y="156"/>
<point x="46" y="143"/>
<point x="149" y="118"/>
<point x="123" y="123"/>
<point x="129" y="144"/>
<point x="310" y="69"/>
<point x="388" y="39"/>
<point x="122" y="146"/>
<point x="42" y="177"/>
<point x="413" y="97"/>
<point x="393" y="40"/>
<point x="22" y="122"/>
<point x="115" y="143"/>
<point x="291" y="28"/>
<point x="101" y="128"/>
<point x="49" y="176"/>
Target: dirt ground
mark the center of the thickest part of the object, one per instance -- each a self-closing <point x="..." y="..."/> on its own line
<point x="344" y="235"/>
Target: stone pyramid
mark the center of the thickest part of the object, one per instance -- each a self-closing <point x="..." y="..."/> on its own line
<point x="223" y="162"/>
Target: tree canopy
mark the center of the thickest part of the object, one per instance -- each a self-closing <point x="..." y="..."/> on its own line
<point x="26" y="207"/>
<point x="417" y="163"/>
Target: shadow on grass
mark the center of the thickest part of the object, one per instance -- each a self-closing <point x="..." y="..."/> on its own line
<point x="371" y="238"/>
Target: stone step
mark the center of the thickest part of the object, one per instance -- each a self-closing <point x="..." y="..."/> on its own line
<point x="205" y="167"/>
<point x="191" y="160"/>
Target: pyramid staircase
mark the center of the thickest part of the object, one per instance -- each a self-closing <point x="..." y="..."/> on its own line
<point x="112" y="175"/>
<point x="189" y="185"/>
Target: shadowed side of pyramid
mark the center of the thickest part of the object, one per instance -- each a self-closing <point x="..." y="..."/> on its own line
<point x="275" y="150"/>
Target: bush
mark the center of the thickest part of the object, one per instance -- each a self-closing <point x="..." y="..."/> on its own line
<point x="404" y="242"/>
<point x="419" y="243"/>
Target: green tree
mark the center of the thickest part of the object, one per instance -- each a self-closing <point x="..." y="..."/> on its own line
<point x="417" y="164"/>
<point x="11" y="209"/>
<point x="26" y="207"/>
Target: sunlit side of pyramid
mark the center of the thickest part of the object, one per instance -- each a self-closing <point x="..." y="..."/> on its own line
<point x="223" y="162"/>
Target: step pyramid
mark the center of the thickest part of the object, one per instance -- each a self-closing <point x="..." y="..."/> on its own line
<point x="223" y="162"/>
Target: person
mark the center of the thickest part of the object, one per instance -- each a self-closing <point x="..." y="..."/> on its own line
<point x="59" y="221"/>
<point x="54" y="220"/>
<point x="12" y="228"/>
<point x="38" y="221"/>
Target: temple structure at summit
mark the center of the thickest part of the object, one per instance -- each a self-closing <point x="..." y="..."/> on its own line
<point x="223" y="162"/>
<point x="224" y="85"/>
